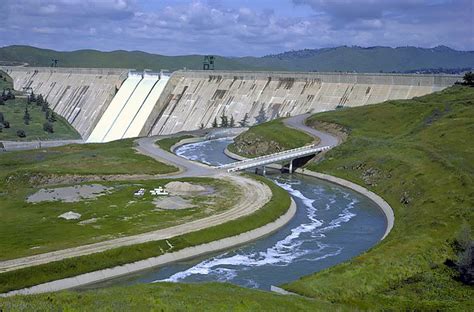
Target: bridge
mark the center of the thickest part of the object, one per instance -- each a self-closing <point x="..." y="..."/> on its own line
<point x="276" y="157"/>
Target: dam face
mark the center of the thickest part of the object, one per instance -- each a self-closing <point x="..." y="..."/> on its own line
<point x="199" y="97"/>
<point x="151" y="104"/>
<point x="79" y="95"/>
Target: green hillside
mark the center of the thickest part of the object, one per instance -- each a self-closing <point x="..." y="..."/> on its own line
<point x="373" y="59"/>
<point x="415" y="155"/>
<point x="115" y="59"/>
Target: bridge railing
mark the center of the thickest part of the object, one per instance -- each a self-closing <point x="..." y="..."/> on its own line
<point x="268" y="159"/>
<point x="306" y="147"/>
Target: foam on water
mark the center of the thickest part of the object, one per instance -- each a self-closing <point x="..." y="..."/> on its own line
<point x="301" y="244"/>
<point x="200" y="151"/>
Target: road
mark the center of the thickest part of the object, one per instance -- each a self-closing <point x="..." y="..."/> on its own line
<point x="298" y="122"/>
<point x="256" y="195"/>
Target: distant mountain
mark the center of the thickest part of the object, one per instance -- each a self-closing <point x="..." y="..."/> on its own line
<point x="358" y="59"/>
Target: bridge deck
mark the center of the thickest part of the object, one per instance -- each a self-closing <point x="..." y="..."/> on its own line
<point x="273" y="158"/>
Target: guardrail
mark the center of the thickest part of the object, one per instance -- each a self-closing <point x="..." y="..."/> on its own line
<point x="276" y="157"/>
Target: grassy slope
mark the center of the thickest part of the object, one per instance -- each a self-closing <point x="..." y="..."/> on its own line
<point x="277" y="206"/>
<point x="14" y="110"/>
<point x="165" y="297"/>
<point x="268" y="137"/>
<point x="5" y="81"/>
<point x="167" y="143"/>
<point x="116" y="157"/>
<point x="332" y="59"/>
<point x="118" y="213"/>
<point x="416" y="150"/>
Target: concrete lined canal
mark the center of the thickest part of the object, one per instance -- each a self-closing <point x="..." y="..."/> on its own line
<point x="332" y="224"/>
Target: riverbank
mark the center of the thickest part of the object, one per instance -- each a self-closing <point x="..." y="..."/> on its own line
<point x="381" y="203"/>
<point x="412" y="153"/>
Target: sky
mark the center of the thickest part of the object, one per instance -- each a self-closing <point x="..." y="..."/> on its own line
<point x="233" y="27"/>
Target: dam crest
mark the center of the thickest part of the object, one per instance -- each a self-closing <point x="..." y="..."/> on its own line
<point x="110" y="104"/>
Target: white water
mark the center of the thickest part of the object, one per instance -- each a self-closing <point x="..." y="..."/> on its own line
<point x="288" y="250"/>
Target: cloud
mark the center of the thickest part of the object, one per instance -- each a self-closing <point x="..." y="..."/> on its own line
<point x="220" y="27"/>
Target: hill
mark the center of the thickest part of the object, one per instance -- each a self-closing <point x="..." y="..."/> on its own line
<point x="359" y="59"/>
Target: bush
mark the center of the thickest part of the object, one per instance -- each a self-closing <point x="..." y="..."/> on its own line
<point x="21" y="133"/>
<point x="48" y="127"/>
<point x="6" y="124"/>
<point x="2" y="118"/>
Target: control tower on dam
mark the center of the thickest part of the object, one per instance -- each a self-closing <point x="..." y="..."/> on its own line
<point x="111" y="104"/>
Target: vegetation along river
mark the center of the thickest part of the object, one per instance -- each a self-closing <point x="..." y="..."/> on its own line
<point x="332" y="224"/>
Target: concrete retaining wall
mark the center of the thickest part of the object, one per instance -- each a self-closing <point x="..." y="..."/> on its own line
<point x="81" y="95"/>
<point x="200" y="96"/>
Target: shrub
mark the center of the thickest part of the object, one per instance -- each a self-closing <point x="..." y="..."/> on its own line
<point x="2" y="118"/>
<point x="48" y="127"/>
<point x="21" y="133"/>
<point x="6" y="124"/>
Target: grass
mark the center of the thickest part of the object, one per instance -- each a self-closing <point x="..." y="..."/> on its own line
<point x="415" y="155"/>
<point x="166" y="144"/>
<point x="116" y="157"/>
<point x="117" y="214"/>
<point x="5" y="81"/>
<point x="13" y="111"/>
<point x="165" y="297"/>
<point x="268" y="137"/>
<point x="26" y="277"/>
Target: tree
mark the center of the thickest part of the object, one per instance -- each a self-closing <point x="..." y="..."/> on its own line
<point x="26" y="116"/>
<point x="201" y="126"/>
<point x="31" y="97"/>
<point x="2" y="102"/>
<point x="245" y="121"/>
<point x="224" y="121"/>
<point x="214" y="123"/>
<point x="48" y="127"/>
<point x="47" y="114"/>
<point x="21" y="133"/>
<point x="1" y="127"/>
<point x="39" y="100"/>
<point x="6" y="124"/>
<point x="45" y="106"/>
<point x="232" y="121"/>
<point x="2" y="118"/>
<point x="261" y="117"/>
<point x="469" y="78"/>
<point x="52" y="117"/>
<point x="10" y="95"/>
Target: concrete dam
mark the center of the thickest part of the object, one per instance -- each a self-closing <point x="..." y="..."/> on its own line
<point x="110" y="104"/>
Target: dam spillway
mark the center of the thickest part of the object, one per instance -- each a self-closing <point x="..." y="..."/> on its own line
<point x="146" y="104"/>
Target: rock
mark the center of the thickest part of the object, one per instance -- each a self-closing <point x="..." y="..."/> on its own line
<point x="70" y="215"/>
<point x="405" y="198"/>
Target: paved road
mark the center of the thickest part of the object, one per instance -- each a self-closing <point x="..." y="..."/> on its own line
<point x="30" y="145"/>
<point x="256" y="195"/>
<point x="188" y="168"/>
<point x="297" y="122"/>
